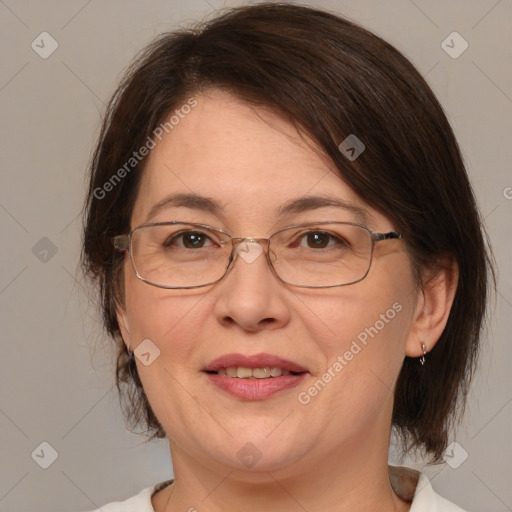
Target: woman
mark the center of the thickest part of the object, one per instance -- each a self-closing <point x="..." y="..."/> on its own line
<point x="278" y="221"/>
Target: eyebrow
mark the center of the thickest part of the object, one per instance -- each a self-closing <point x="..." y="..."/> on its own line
<point x="307" y="203"/>
<point x="193" y="201"/>
<point x="293" y="206"/>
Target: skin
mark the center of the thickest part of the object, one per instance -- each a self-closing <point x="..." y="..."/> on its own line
<point x="332" y="453"/>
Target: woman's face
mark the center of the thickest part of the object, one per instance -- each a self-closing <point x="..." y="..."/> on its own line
<point x="349" y="340"/>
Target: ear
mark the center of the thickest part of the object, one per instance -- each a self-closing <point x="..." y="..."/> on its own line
<point x="434" y="304"/>
<point x="124" y="326"/>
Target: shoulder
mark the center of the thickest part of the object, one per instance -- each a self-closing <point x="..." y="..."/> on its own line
<point x="141" y="502"/>
<point x="406" y="482"/>
<point x="415" y="487"/>
<point x="426" y="499"/>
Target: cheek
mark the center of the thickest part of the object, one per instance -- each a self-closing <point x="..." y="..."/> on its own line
<point x="340" y="324"/>
<point x="170" y="320"/>
<point x="363" y="332"/>
<point x="362" y="356"/>
<point x="156" y="312"/>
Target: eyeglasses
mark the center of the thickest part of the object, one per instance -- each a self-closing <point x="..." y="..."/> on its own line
<point x="312" y="255"/>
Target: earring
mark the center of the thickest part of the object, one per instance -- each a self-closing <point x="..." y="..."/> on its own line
<point x="422" y="358"/>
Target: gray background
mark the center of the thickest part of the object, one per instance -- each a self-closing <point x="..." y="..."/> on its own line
<point x="56" y="368"/>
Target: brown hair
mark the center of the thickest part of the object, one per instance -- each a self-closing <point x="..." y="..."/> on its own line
<point x="331" y="78"/>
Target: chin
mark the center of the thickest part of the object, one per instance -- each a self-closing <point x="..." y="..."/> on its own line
<point x="250" y="454"/>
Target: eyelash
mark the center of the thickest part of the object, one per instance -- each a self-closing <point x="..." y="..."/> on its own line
<point x="300" y="237"/>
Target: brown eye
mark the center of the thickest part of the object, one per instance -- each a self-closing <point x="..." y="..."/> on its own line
<point x="317" y="239"/>
<point x="189" y="240"/>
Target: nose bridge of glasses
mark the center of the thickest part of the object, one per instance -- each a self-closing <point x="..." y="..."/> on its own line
<point x="249" y="248"/>
<point x="249" y="239"/>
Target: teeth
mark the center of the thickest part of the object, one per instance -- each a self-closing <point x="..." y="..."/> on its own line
<point x="261" y="373"/>
<point x="242" y="372"/>
<point x="231" y="372"/>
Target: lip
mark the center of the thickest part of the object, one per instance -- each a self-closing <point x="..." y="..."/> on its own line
<point x="254" y="361"/>
<point x="254" y="389"/>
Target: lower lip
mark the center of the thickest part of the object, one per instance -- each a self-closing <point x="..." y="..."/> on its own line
<point x="255" y="389"/>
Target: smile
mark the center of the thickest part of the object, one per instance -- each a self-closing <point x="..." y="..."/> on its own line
<point x="254" y="377"/>
<point x="241" y="372"/>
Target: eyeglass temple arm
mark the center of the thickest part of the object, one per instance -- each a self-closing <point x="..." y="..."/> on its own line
<point x="386" y="236"/>
<point x="121" y="242"/>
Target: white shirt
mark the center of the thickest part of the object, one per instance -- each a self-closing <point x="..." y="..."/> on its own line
<point x="407" y="483"/>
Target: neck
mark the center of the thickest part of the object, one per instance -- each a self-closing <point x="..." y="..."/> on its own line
<point x="347" y="480"/>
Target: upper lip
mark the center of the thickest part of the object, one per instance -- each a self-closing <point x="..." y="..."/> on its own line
<point x="253" y="361"/>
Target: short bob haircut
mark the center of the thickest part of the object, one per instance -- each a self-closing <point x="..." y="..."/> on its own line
<point x="330" y="78"/>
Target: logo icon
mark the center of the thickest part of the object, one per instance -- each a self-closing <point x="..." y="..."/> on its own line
<point x="249" y="250"/>
<point x="146" y="352"/>
<point x="352" y="147"/>
<point x="44" y="45"/>
<point x="454" y="45"/>
<point x="44" y="250"/>
<point x="455" y="455"/>
<point x="249" y="455"/>
<point x="45" y="455"/>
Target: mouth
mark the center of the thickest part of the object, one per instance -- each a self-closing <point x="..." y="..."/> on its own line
<point x="243" y="372"/>
<point x="254" y="377"/>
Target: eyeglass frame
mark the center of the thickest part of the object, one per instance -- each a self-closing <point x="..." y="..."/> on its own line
<point x="123" y="243"/>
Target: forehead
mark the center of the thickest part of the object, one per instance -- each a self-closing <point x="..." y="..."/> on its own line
<point x="248" y="160"/>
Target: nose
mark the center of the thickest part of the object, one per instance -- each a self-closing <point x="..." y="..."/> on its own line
<point x="250" y="295"/>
